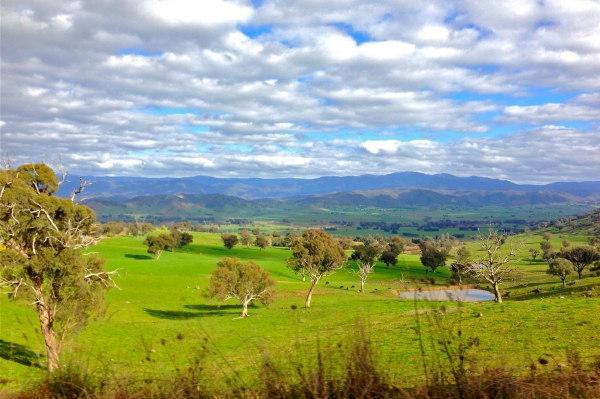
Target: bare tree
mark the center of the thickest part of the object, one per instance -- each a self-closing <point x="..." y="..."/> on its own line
<point x="365" y="257"/>
<point x="497" y="265"/>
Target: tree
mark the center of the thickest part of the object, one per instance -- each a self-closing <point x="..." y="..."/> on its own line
<point x="246" y="238"/>
<point x="581" y="257"/>
<point x="547" y="253"/>
<point x="396" y="245"/>
<point x="566" y="243"/>
<point x="389" y="258"/>
<point x="245" y="282"/>
<point x="432" y="257"/>
<point x="261" y="241"/>
<point x="533" y="253"/>
<point x="180" y="238"/>
<point x="42" y="236"/>
<point x="229" y="240"/>
<point x="547" y="236"/>
<point x="316" y="254"/>
<point x="497" y="264"/>
<point x="561" y="268"/>
<point x="462" y="264"/>
<point x="157" y="244"/>
<point x="365" y="257"/>
<point x="290" y="239"/>
<point x="256" y="231"/>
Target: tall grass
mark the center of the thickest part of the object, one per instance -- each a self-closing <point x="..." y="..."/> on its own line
<point x="348" y="369"/>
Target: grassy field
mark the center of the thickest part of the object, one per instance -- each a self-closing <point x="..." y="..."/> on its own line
<point x="158" y="321"/>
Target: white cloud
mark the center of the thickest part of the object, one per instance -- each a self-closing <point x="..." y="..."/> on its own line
<point x="167" y="86"/>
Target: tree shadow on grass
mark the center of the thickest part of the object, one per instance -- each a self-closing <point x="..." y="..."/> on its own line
<point x="138" y="257"/>
<point x="19" y="354"/>
<point x="202" y="311"/>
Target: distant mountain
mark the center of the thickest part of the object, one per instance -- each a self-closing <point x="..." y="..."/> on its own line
<point x="122" y="188"/>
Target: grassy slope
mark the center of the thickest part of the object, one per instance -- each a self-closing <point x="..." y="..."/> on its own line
<point x="158" y="301"/>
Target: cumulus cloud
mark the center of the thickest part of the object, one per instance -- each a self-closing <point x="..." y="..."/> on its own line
<point x="303" y="88"/>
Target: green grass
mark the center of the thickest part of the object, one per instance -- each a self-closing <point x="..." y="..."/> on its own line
<point x="158" y="320"/>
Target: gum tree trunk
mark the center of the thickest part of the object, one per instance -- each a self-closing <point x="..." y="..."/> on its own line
<point x="310" y="292"/>
<point x="47" y="327"/>
<point x="497" y="295"/>
<point x="245" y="308"/>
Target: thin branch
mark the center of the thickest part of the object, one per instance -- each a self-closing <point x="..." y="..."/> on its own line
<point x="103" y="278"/>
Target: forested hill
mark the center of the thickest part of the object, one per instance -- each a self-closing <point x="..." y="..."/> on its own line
<point x="253" y="188"/>
<point x="199" y="206"/>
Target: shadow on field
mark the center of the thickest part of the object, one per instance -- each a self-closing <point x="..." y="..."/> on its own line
<point x="18" y="354"/>
<point x="203" y="311"/>
<point x="138" y="257"/>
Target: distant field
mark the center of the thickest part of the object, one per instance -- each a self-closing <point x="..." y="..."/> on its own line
<point x="159" y="320"/>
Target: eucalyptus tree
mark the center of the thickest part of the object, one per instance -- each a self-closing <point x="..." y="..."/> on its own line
<point x="316" y="254"/>
<point x="42" y="237"/>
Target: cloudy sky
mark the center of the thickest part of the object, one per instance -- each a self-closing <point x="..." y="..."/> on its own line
<point x="281" y="88"/>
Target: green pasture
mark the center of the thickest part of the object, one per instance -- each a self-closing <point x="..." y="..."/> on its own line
<point x="158" y="321"/>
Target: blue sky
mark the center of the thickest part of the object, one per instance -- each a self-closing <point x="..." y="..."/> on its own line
<point x="277" y="88"/>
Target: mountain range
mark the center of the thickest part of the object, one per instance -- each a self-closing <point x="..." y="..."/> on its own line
<point x="124" y="188"/>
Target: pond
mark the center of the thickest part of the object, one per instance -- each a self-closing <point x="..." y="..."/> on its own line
<point x="463" y="295"/>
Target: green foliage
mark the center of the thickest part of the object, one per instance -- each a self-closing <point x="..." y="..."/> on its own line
<point x="431" y="256"/>
<point x="245" y="282"/>
<point x="229" y="240"/>
<point x="561" y="268"/>
<point x="158" y="244"/>
<point x="462" y="264"/>
<point x="261" y="241"/>
<point x="389" y="258"/>
<point x="581" y="257"/>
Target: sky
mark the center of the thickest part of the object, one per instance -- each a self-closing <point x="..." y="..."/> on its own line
<point x="281" y="88"/>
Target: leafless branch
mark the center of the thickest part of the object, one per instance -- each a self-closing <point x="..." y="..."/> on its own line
<point x="103" y="278"/>
<point x="82" y="185"/>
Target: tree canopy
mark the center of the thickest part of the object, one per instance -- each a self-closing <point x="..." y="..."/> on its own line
<point x="158" y="244"/>
<point x="245" y="282"/>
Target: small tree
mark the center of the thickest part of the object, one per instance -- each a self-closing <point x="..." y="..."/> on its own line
<point x="158" y="244"/>
<point x="316" y="254"/>
<point x="432" y="257"/>
<point x="566" y="243"/>
<point x="533" y="253"/>
<point x="581" y="257"/>
<point x="365" y="257"/>
<point x="245" y="282"/>
<point x="547" y="236"/>
<point x="290" y="239"/>
<point x="246" y="238"/>
<point x="261" y="242"/>
<point x="180" y="238"/>
<point x="497" y="264"/>
<point x="229" y="240"/>
<point x="389" y="258"/>
<point x="547" y="252"/>
<point x="561" y="268"/>
<point x="462" y="264"/>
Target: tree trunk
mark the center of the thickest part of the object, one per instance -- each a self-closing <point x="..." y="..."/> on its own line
<point x="564" y="283"/>
<point x="497" y="295"/>
<point x="310" y="292"/>
<point x="46" y="325"/>
<point x="580" y="273"/>
<point x="245" y="309"/>
<point x="362" y="285"/>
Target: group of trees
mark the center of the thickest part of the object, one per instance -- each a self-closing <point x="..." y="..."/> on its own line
<point x="174" y="239"/>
